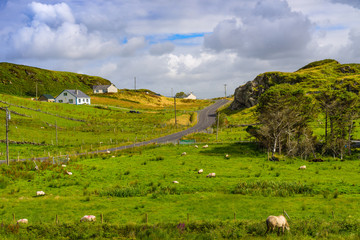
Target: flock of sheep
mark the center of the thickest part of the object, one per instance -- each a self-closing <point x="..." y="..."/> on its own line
<point x="272" y="222"/>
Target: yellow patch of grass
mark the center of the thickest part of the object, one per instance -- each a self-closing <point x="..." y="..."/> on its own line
<point x="182" y="120"/>
<point x="145" y="100"/>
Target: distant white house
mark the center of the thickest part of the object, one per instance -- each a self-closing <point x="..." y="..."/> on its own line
<point x="73" y="97"/>
<point x="190" y="96"/>
<point x="105" y="89"/>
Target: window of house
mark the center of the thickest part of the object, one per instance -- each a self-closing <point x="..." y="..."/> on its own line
<point x="79" y="100"/>
<point x="60" y="101"/>
<point x="87" y="100"/>
<point x="71" y="101"/>
<point x="65" y="94"/>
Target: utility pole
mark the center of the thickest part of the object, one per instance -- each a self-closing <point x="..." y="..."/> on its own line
<point x="56" y="131"/>
<point x="135" y="83"/>
<point x="217" y="125"/>
<point x="225" y="90"/>
<point x="175" y="109"/>
<point x="7" y="134"/>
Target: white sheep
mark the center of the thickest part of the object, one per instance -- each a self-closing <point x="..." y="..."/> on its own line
<point x="200" y="171"/>
<point x="68" y="173"/>
<point x="227" y="156"/>
<point x="206" y="146"/>
<point x="211" y="175"/>
<point x="196" y="146"/>
<point x="23" y="220"/>
<point x="63" y="165"/>
<point x="175" y="182"/>
<point x="107" y="151"/>
<point x="40" y="193"/>
<point x="183" y="154"/>
<point x="302" y="167"/>
<point x="88" y="218"/>
<point x="279" y="222"/>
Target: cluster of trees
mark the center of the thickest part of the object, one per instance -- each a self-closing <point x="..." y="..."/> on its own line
<point x="286" y="114"/>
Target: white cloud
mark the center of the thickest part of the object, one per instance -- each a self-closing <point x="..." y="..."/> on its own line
<point x="272" y="30"/>
<point x="161" y="48"/>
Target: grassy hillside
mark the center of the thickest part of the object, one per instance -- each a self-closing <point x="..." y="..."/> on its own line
<point x="21" y="80"/>
<point x="64" y="128"/>
<point x="145" y="99"/>
<point x="318" y="76"/>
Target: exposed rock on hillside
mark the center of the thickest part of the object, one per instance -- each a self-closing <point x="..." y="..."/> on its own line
<point x="247" y="95"/>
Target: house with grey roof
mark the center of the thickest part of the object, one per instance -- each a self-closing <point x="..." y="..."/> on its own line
<point x="76" y="97"/>
<point x="105" y="89"/>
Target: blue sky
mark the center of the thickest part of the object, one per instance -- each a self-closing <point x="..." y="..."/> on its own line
<point x="189" y="45"/>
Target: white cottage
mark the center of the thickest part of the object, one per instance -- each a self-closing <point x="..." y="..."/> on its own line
<point x="190" y="96"/>
<point x="73" y="97"/>
<point x="105" y="89"/>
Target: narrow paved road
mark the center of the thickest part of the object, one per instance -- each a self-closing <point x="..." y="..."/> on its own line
<point x="206" y="118"/>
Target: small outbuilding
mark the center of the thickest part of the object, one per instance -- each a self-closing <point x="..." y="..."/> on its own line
<point x="105" y="89"/>
<point x="76" y="97"/>
<point x="46" y="98"/>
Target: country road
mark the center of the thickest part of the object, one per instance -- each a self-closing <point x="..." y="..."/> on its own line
<point x="206" y="118"/>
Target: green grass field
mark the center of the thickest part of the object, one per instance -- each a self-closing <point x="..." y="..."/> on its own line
<point x="64" y="129"/>
<point x="138" y="182"/>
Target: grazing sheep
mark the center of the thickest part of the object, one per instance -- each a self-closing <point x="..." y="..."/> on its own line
<point x="196" y="146"/>
<point x="23" y="220"/>
<point x="206" y="146"/>
<point x="68" y="173"/>
<point x="211" y="175"/>
<point x="175" y="182"/>
<point x="40" y="193"/>
<point x="107" y="151"/>
<point x="302" y="167"/>
<point x="200" y="171"/>
<point x="63" y="165"/>
<point x="273" y="222"/>
<point x="88" y="218"/>
<point x="227" y="156"/>
<point x="183" y="154"/>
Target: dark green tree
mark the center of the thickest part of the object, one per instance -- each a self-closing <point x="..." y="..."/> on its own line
<point x="180" y="95"/>
<point x="284" y="112"/>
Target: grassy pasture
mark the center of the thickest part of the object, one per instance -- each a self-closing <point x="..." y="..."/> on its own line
<point x="87" y="128"/>
<point x="138" y="181"/>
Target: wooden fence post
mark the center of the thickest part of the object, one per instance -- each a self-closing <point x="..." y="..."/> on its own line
<point x="146" y="218"/>
<point x="14" y="217"/>
<point x="102" y="218"/>
<point x="234" y="215"/>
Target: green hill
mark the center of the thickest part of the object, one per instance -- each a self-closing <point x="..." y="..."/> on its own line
<point x="314" y="77"/>
<point x="21" y="80"/>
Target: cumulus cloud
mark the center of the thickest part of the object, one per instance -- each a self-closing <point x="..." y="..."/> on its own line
<point x="271" y="30"/>
<point x="353" y="3"/>
<point x="53" y="33"/>
<point x="161" y="48"/>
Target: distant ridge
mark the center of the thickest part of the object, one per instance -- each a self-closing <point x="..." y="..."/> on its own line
<point x="21" y="80"/>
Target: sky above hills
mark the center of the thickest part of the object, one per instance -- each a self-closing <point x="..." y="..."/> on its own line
<point x="171" y="46"/>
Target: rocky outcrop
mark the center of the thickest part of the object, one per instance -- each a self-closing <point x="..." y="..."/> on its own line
<point x="247" y="95"/>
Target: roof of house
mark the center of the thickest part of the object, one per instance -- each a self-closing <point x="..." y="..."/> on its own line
<point x="77" y="93"/>
<point x="48" y="96"/>
<point x="101" y="87"/>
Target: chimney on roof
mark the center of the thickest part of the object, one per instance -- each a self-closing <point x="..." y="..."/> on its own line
<point x="76" y="92"/>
